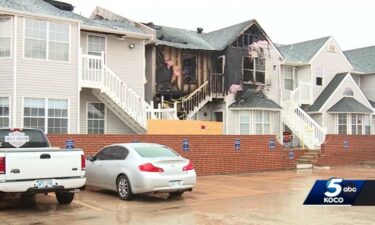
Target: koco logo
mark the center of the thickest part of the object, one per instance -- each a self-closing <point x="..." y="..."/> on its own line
<point x="334" y="189"/>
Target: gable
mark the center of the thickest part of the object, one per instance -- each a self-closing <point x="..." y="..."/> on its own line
<point x="247" y="37"/>
<point x="347" y="89"/>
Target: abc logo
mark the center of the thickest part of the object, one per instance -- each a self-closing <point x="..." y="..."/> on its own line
<point x="349" y="189"/>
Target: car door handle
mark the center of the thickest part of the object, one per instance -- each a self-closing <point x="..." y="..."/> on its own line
<point x="45" y="156"/>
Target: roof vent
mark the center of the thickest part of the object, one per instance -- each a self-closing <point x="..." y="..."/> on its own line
<point x="199" y="30"/>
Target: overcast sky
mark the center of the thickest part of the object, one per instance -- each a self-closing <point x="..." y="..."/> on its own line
<point x="350" y="22"/>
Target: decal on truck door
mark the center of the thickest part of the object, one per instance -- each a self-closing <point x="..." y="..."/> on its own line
<point x="17" y="139"/>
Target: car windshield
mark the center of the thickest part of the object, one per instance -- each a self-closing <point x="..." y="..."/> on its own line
<point x="155" y="152"/>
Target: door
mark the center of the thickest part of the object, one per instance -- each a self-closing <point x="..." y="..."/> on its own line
<point x="95" y="172"/>
<point x="112" y="166"/>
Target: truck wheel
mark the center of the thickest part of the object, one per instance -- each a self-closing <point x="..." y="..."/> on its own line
<point x="64" y="198"/>
<point x="123" y="188"/>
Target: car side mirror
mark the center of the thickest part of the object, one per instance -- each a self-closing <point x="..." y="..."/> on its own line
<point x="90" y="158"/>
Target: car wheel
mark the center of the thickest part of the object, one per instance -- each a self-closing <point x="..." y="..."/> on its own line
<point x="123" y="188"/>
<point x="176" y="194"/>
<point x="64" y="198"/>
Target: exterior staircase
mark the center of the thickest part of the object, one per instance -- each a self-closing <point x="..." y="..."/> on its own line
<point x="213" y="88"/>
<point x="117" y="95"/>
<point x="302" y="125"/>
<point x="307" y="160"/>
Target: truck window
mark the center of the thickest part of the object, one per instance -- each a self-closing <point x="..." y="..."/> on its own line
<point x="26" y="138"/>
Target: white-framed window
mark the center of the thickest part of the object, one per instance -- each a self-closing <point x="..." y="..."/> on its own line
<point x="96" y="45"/>
<point x="244" y="122"/>
<point x="47" y="40"/>
<point x="262" y="122"/>
<point x="96" y="118"/>
<point x="357" y="124"/>
<point x="342" y="123"/>
<point x="367" y="124"/>
<point x="288" y="78"/>
<point x="253" y="70"/>
<point x="4" y="112"/>
<point x="57" y="116"/>
<point x="50" y="115"/>
<point x="6" y="30"/>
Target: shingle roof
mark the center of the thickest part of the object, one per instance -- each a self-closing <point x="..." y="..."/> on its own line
<point x="254" y="99"/>
<point x="303" y="51"/>
<point x="327" y="92"/>
<point x="349" y="105"/>
<point x="187" y="39"/>
<point x="362" y="59"/>
<point x="372" y="103"/>
<point x="44" y="8"/>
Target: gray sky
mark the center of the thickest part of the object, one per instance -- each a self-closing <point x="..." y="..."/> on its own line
<point x="350" y="22"/>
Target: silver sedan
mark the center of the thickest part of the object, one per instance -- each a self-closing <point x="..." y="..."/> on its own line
<point x="136" y="168"/>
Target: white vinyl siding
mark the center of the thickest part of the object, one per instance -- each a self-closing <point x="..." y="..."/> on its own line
<point x="6" y="30"/>
<point x="96" y="118"/>
<point x="4" y="112"/>
<point x="47" y="40"/>
<point x="50" y="115"/>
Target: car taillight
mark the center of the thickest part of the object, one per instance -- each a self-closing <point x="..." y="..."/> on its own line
<point x="148" y="167"/>
<point x="83" y="162"/>
<point x="16" y="129"/>
<point x="2" y="165"/>
<point x="188" y="167"/>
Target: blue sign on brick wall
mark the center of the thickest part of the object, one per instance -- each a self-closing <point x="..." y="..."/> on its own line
<point x="185" y="145"/>
<point x="346" y="144"/>
<point x="237" y="144"/>
<point x="69" y="144"/>
<point x="291" y="155"/>
<point x="271" y="144"/>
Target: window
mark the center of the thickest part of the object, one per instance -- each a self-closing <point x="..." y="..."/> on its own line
<point x="34" y="114"/>
<point x="244" y="122"/>
<point x="112" y="153"/>
<point x="319" y="81"/>
<point x="96" y="45"/>
<point x="50" y="115"/>
<point x="103" y="154"/>
<point x="220" y="64"/>
<point x="4" y="112"/>
<point x="189" y="68"/>
<point x="58" y="42"/>
<point x="95" y="118"/>
<point x="6" y="29"/>
<point x="254" y="70"/>
<point x="155" y="152"/>
<point x="288" y="79"/>
<point x="342" y="123"/>
<point x="262" y="122"/>
<point x="367" y="124"/>
<point x="42" y="37"/>
<point x="357" y="124"/>
<point x="57" y="116"/>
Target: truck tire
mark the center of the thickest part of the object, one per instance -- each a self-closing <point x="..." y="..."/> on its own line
<point x="64" y="198"/>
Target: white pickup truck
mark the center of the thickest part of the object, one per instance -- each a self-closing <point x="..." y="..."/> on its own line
<point x="29" y="165"/>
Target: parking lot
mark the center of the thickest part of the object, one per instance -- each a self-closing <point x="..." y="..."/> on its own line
<point x="256" y="198"/>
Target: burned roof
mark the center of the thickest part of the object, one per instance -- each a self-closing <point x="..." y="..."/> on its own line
<point x="254" y="99"/>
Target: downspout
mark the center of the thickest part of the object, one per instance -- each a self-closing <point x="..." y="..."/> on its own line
<point x="79" y="73"/>
<point x="15" y="72"/>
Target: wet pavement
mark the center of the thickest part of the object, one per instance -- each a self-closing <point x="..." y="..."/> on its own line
<point x="247" y="199"/>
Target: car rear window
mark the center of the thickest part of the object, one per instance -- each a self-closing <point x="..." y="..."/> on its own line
<point x="155" y="152"/>
<point x="26" y="138"/>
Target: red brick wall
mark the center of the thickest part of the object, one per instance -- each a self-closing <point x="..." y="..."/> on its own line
<point x="360" y="148"/>
<point x="211" y="154"/>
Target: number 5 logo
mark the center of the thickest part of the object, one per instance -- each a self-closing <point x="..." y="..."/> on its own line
<point x="333" y="188"/>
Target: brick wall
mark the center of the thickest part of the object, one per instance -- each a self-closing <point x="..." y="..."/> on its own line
<point x="359" y="148"/>
<point x="211" y="154"/>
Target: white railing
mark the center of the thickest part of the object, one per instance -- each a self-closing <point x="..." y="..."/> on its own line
<point x="161" y="113"/>
<point x="96" y="74"/>
<point x="302" y="94"/>
<point x="197" y="99"/>
<point x="305" y="128"/>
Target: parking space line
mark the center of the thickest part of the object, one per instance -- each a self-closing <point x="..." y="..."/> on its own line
<point x="80" y="203"/>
